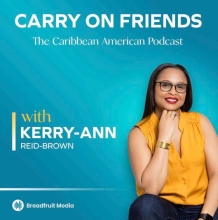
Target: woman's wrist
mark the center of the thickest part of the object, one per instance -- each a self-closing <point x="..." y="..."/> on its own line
<point x="205" y="216"/>
<point x="164" y="139"/>
<point x="163" y="145"/>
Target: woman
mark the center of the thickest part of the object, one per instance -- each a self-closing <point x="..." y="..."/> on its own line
<point x="173" y="153"/>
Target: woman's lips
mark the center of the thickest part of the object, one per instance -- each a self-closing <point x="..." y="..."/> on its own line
<point x="171" y="100"/>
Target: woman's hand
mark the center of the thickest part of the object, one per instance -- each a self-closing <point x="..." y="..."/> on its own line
<point x="167" y="125"/>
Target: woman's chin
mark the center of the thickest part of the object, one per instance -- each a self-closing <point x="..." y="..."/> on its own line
<point x="172" y="109"/>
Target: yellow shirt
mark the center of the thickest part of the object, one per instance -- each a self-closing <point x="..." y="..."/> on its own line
<point x="187" y="179"/>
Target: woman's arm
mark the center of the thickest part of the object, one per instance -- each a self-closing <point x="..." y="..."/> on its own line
<point x="211" y="153"/>
<point x="151" y="171"/>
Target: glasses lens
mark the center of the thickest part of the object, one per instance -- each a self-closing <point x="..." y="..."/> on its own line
<point x="165" y="86"/>
<point x="181" y="87"/>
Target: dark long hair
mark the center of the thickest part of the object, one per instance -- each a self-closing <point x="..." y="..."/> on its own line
<point x="150" y="103"/>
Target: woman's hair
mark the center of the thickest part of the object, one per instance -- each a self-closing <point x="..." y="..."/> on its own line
<point x="150" y="102"/>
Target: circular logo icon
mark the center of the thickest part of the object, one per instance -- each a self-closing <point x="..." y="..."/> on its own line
<point x="17" y="205"/>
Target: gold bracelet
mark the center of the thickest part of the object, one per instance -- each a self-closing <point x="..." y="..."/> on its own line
<point x="163" y="145"/>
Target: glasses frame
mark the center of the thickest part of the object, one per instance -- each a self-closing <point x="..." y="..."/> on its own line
<point x="172" y="86"/>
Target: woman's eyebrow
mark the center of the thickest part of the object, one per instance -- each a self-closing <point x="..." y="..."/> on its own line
<point x="171" y="82"/>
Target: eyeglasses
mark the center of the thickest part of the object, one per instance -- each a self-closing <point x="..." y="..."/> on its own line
<point x="167" y="86"/>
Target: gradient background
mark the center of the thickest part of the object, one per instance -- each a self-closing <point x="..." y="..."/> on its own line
<point x="90" y="86"/>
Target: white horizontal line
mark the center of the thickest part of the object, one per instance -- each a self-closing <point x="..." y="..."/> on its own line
<point x="76" y="133"/>
<point x="57" y="189"/>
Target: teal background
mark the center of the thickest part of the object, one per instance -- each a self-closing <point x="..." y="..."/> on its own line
<point x="90" y="86"/>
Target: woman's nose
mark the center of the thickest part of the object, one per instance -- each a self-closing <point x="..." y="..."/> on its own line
<point x="173" y="90"/>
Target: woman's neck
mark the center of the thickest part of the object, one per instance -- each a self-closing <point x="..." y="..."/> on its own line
<point x="158" y="112"/>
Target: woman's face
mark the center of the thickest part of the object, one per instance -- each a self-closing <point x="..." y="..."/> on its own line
<point x="170" y="100"/>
